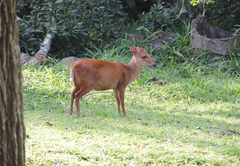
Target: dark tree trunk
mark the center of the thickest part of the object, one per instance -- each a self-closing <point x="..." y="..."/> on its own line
<point x="12" y="130"/>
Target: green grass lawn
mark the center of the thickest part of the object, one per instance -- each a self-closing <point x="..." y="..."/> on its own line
<point x="188" y="121"/>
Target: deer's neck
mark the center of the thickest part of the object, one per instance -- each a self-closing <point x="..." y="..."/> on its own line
<point x="134" y="68"/>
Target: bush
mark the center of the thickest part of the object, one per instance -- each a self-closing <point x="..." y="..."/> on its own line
<point x="78" y="24"/>
<point x="223" y="14"/>
<point x="165" y="16"/>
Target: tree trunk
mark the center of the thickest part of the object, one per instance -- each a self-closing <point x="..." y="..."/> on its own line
<point x="12" y="130"/>
<point x="208" y="37"/>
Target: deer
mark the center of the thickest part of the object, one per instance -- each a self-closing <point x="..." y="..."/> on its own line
<point x="88" y="74"/>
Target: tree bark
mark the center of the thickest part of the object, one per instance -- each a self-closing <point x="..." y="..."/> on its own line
<point x="12" y="130"/>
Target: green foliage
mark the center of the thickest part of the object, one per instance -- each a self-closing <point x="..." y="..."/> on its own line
<point x="86" y="24"/>
<point x="31" y="33"/>
<point x="195" y="2"/>
<point x="224" y="14"/>
<point x="166" y="16"/>
<point x="221" y="13"/>
<point x="77" y="24"/>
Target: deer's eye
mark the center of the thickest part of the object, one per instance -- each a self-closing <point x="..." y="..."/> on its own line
<point x="144" y="57"/>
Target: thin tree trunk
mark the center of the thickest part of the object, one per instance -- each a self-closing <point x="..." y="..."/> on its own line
<point x="12" y="130"/>
<point x="42" y="53"/>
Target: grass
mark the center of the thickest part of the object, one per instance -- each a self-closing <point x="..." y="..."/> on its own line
<point x="192" y="120"/>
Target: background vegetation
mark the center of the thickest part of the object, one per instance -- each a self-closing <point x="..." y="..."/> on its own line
<point x="88" y="23"/>
<point x="193" y="119"/>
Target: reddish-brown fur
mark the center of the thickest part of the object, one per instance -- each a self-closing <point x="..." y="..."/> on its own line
<point x="88" y="74"/>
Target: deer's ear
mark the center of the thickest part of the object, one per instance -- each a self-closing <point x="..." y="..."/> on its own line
<point x="133" y="49"/>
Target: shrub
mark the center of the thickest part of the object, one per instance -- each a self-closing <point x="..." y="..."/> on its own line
<point x="165" y="16"/>
<point x="78" y="24"/>
<point x="223" y="14"/>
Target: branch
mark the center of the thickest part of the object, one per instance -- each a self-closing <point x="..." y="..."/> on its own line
<point x="42" y="53"/>
<point x="25" y="58"/>
<point x="181" y="10"/>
